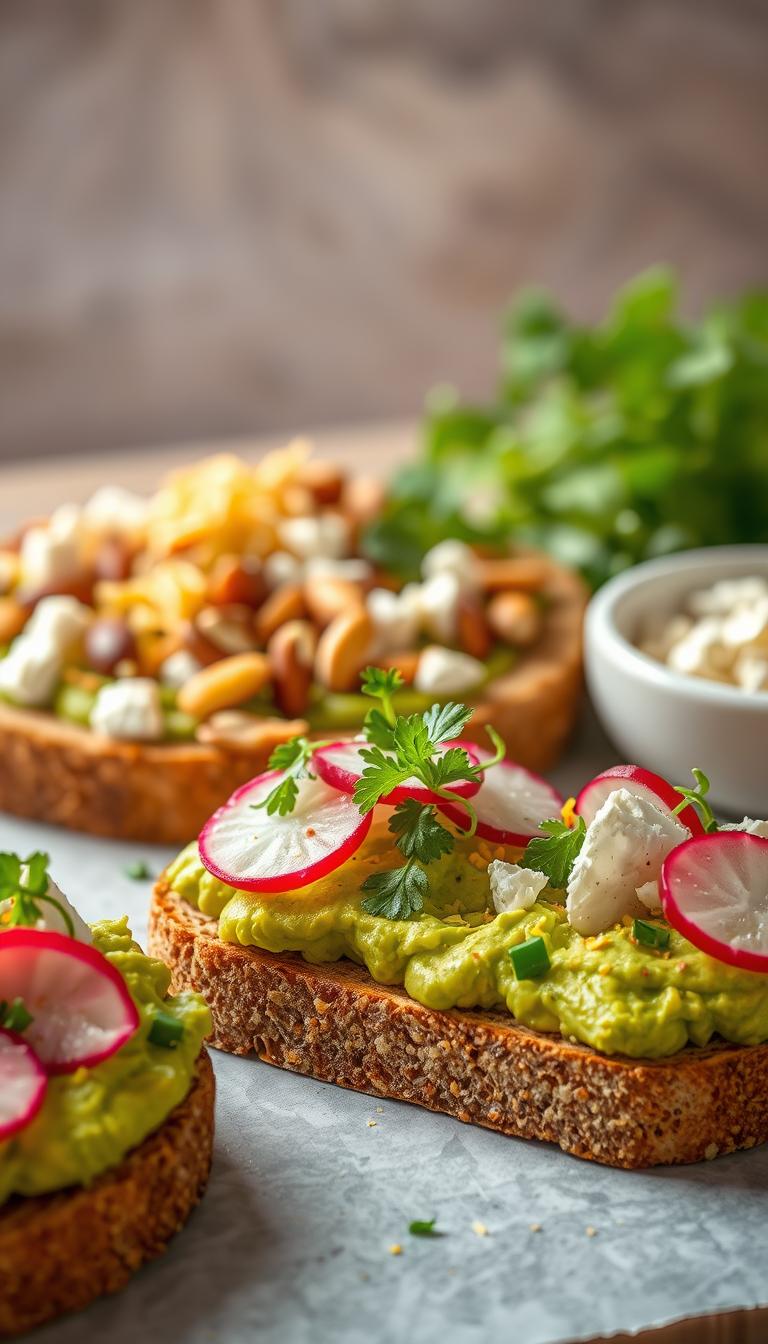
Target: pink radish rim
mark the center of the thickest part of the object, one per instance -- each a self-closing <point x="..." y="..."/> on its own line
<point x="485" y="831"/>
<point x="338" y="777"/>
<point x="302" y="877"/>
<point x="13" y="1126"/>
<point x="664" y="791"/>
<point x="49" y="941"/>
<point x="731" y="956"/>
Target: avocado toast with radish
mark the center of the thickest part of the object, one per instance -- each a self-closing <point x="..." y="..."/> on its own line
<point x="106" y="1102"/>
<point x="413" y="915"/>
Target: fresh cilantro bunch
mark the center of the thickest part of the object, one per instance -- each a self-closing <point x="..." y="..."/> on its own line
<point x="398" y="748"/>
<point x="23" y="886"/>
<point x="606" y="444"/>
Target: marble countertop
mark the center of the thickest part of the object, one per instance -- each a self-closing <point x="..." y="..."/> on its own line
<point x="312" y="1186"/>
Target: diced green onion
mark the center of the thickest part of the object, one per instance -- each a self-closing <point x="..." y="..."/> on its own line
<point x="165" y="1030"/>
<point x="650" y="935"/>
<point x="530" y="959"/>
<point x="423" y="1227"/>
<point x="138" y="870"/>
<point x="15" y="1016"/>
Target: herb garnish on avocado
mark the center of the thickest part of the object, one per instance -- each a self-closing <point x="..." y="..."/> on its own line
<point x="24" y="883"/>
<point x="398" y="748"/>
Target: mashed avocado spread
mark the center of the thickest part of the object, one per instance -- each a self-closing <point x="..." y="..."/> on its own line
<point x="607" y="991"/>
<point x="92" y="1117"/>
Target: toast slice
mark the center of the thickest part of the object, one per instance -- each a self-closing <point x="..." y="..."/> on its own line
<point x="58" y="1252"/>
<point x="335" y="1023"/>
<point x="163" y="793"/>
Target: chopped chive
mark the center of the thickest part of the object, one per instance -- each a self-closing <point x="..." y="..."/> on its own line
<point x="650" y="935"/>
<point x="423" y="1227"/>
<point x="138" y="870"/>
<point x="15" y="1016"/>
<point x="530" y="959"/>
<point x="165" y="1030"/>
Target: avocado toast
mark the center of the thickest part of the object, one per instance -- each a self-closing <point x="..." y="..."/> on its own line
<point x="416" y="917"/>
<point x="106" y="1102"/>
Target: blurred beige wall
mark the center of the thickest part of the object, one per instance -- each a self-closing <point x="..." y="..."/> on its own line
<point x="226" y="215"/>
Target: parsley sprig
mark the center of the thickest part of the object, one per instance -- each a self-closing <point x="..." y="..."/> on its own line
<point x="397" y="748"/>
<point x="556" y="851"/>
<point x="14" y="1015"/>
<point x="24" y="884"/>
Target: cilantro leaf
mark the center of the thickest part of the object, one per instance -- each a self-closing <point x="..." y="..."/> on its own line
<point x="293" y="759"/>
<point x="10" y="870"/>
<point x="419" y="833"/>
<point x="378" y="730"/>
<point x="381" y="775"/>
<point x="411" y="739"/>
<point x="445" y="722"/>
<point x="452" y="765"/>
<point x="15" y="1016"/>
<point x="424" y="1227"/>
<point x="397" y="893"/>
<point x="555" y="852"/>
<point x="380" y="682"/>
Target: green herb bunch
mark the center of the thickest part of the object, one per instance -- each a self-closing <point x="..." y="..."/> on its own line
<point x="24" y="885"/>
<point x="606" y="444"/>
<point x="398" y="748"/>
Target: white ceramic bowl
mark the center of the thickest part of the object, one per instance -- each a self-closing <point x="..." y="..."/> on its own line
<point x="665" y="720"/>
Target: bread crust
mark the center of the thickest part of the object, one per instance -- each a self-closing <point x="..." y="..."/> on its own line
<point x="335" y="1023"/>
<point x="58" y="1252"/>
<point x="58" y="772"/>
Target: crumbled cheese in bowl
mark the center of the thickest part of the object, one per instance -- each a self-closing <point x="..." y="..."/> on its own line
<point x="720" y="633"/>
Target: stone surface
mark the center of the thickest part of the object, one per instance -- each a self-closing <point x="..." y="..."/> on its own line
<point x="291" y="1244"/>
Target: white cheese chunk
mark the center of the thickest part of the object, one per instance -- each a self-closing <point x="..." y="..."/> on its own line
<point x="52" y="553"/>
<point x="29" y="673"/>
<point x="59" y="622"/>
<point x="313" y="535"/>
<point x="129" y="709"/>
<point x="625" y="845"/>
<point x="725" y="595"/>
<point x="352" y="570"/>
<point x="650" y="895"/>
<point x="447" y="672"/>
<point x="439" y="605"/>
<point x="452" y="557"/>
<point x="396" y="618"/>
<point x="281" y="567"/>
<point x="751" y="827"/>
<point x="52" y="918"/>
<point x="178" y="668"/>
<point x="113" y="511"/>
<point x="513" y="887"/>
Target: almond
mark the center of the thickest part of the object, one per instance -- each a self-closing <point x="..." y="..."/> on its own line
<point x="323" y="480"/>
<point x="224" y="685"/>
<point x="523" y="573"/>
<point x="363" y="498"/>
<point x="472" y="629"/>
<point x="327" y="597"/>
<point x="229" y="629"/>
<point x="286" y="603"/>
<point x="239" y="731"/>
<point x="9" y="570"/>
<point x="343" y="648"/>
<point x="13" y="618"/>
<point x="515" y="618"/>
<point x="291" y="653"/>
<point x="406" y="663"/>
<point x="236" y="580"/>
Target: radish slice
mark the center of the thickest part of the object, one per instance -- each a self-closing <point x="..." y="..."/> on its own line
<point x="511" y="804"/>
<point x="245" y="847"/>
<point x="81" y="1009"/>
<point x="714" y="890"/>
<point x="341" y="766"/>
<point x="642" y="782"/>
<point x="22" y="1083"/>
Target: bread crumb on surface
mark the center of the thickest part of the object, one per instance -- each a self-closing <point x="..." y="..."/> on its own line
<point x="396" y="1248"/>
<point x="591" y="1231"/>
<point x="535" y="1227"/>
<point x="371" y="1123"/>
<point x="479" y="1229"/>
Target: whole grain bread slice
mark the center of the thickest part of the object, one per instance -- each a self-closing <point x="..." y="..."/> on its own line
<point x="163" y="793"/>
<point x="335" y="1023"/>
<point x="58" y="1252"/>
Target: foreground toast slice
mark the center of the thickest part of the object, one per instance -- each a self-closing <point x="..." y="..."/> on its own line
<point x="335" y="1023"/>
<point x="58" y="1252"/>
